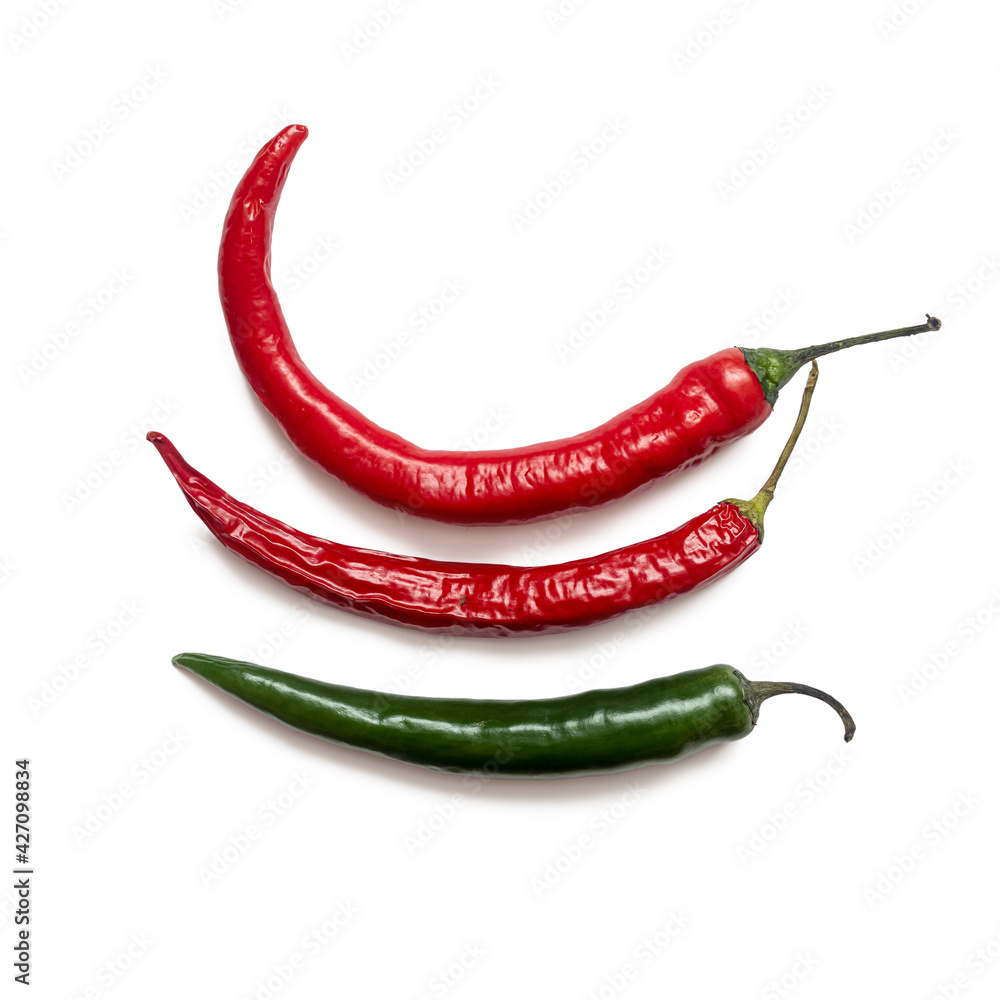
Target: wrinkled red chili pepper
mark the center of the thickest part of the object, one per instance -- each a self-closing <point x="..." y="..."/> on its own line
<point x="480" y="598"/>
<point x="707" y="405"/>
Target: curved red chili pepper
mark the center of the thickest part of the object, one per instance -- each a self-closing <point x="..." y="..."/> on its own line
<point x="707" y="405"/>
<point x="483" y="598"/>
<point x="480" y="598"/>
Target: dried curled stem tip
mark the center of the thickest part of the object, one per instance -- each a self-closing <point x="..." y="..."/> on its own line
<point x="754" y="692"/>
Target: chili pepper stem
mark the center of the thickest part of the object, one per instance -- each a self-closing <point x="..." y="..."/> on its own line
<point x="774" y="368"/>
<point x="753" y="510"/>
<point x="755" y="692"/>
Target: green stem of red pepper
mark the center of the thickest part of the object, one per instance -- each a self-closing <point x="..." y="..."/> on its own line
<point x="753" y="510"/>
<point x="774" y="367"/>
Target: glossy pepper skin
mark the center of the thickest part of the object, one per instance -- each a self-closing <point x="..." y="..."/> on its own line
<point x="472" y="598"/>
<point x="487" y="598"/>
<point x="707" y="405"/>
<point x="596" y="732"/>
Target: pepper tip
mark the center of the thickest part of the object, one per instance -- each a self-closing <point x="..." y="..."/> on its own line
<point x="187" y="661"/>
<point x="297" y="133"/>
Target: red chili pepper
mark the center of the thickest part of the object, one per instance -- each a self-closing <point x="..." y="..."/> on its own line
<point x="480" y="598"/>
<point x="708" y="403"/>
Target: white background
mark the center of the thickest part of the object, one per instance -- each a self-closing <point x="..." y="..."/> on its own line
<point x="785" y="863"/>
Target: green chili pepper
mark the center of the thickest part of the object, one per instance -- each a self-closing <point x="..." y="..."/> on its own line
<point x="594" y="732"/>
